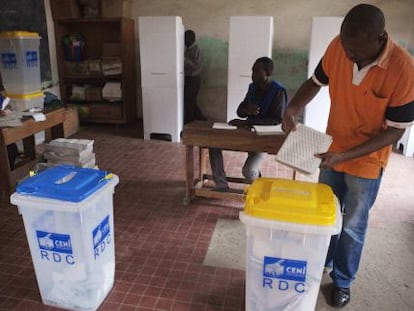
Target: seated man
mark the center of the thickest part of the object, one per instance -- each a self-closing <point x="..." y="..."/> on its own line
<point x="264" y="104"/>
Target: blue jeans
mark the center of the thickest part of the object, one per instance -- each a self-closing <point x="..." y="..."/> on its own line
<point x="356" y="196"/>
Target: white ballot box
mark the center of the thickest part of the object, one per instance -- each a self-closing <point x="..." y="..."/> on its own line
<point x="20" y="61"/>
<point x="68" y="216"/>
<point x="289" y="225"/>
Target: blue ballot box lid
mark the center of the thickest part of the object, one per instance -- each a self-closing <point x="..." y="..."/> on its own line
<point x="65" y="183"/>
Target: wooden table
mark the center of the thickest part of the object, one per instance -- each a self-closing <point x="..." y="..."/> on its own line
<point x="8" y="135"/>
<point x="202" y="135"/>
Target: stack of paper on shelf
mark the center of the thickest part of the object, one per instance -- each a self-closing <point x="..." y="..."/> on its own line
<point x="111" y="66"/>
<point x="299" y="149"/>
<point x="112" y="91"/>
<point x="78" y="152"/>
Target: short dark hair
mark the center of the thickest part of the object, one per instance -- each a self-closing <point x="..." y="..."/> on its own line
<point x="267" y="64"/>
<point x="190" y="35"/>
<point x="364" y="19"/>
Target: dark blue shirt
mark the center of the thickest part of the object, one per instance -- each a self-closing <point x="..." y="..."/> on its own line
<point x="272" y="103"/>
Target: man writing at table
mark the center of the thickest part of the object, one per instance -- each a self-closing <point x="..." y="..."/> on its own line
<point x="264" y="104"/>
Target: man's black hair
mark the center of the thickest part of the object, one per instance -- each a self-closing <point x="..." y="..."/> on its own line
<point x="267" y="64"/>
<point x="364" y="19"/>
<point x="190" y="35"/>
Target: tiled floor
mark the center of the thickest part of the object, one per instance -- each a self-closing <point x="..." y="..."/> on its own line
<point x="160" y="244"/>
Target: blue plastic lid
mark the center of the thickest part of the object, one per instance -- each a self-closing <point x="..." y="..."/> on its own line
<point x="64" y="182"/>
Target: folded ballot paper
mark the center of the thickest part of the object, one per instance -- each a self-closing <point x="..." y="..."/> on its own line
<point x="300" y="146"/>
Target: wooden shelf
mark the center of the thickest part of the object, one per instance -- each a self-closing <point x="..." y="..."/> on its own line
<point x="87" y="102"/>
<point x="82" y="78"/>
<point x="89" y="20"/>
<point x="97" y="32"/>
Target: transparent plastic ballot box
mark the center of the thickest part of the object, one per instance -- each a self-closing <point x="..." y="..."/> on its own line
<point x="68" y="217"/>
<point x="289" y="225"/>
<point x="20" y="62"/>
<point x="23" y="102"/>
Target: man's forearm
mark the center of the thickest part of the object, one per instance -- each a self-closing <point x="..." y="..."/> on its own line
<point x="385" y="138"/>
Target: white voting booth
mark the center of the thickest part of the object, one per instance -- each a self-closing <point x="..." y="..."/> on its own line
<point x="250" y="37"/>
<point x="406" y="143"/>
<point x="161" y="40"/>
<point x="324" y="29"/>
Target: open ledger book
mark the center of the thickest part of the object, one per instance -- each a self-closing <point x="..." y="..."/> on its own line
<point x="300" y="146"/>
<point x="259" y="129"/>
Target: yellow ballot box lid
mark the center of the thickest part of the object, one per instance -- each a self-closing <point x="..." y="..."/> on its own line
<point x="19" y="34"/>
<point x="291" y="201"/>
<point x="26" y="96"/>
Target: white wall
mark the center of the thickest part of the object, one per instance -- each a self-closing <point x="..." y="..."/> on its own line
<point x="292" y="26"/>
<point x="324" y="29"/>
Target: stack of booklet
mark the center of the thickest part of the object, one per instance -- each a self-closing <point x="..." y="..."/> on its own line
<point x="8" y="118"/>
<point x="78" y="152"/>
<point x="299" y="149"/>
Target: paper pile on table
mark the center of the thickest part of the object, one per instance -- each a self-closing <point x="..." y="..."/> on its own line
<point x="78" y="152"/>
<point x="10" y="119"/>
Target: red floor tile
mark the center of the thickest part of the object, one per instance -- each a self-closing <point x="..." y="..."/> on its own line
<point x="148" y="302"/>
<point x="160" y="244"/>
<point x="132" y="299"/>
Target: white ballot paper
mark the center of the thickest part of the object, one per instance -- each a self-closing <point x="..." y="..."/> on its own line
<point x="267" y="129"/>
<point x="223" y="126"/>
<point x="300" y="146"/>
<point x="38" y="116"/>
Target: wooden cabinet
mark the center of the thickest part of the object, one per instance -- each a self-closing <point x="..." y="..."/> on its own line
<point x="107" y="41"/>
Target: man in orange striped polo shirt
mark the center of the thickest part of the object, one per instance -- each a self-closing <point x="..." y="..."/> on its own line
<point x="371" y="87"/>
